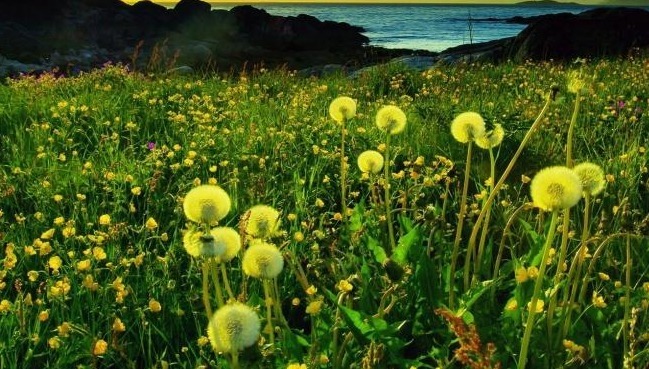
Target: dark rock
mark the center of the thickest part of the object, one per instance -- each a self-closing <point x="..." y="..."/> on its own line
<point x="188" y="9"/>
<point x="599" y="32"/>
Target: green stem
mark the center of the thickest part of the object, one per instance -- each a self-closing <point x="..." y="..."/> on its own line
<point x="388" y="199"/>
<point x="485" y="225"/>
<point x="460" y="224"/>
<point x="206" y="286"/>
<point x="537" y="291"/>
<point x="235" y="360"/>
<point x="563" y="250"/>
<point x="226" y="281"/>
<point x="217" y="284"/>
<point x="503" y="177"/>
<point x="571" y="131"/>
<point x="343" y="176"/>
<point x="575" y="270"/>
<point x="269" y="313"/>
<point x="336" y="332"/>
<point x="627" y="305"/>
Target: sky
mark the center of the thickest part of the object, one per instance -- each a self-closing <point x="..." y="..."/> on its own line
<point x="594" y="2"/>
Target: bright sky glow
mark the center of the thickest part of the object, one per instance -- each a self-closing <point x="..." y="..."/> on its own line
<point x="594" y="2"/>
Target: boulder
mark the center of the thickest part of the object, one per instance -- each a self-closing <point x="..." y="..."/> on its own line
<point x="599" y="32"/>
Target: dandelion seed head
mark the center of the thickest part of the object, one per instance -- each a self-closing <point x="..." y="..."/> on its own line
<point x="262" y="260"/>
<point x="370" y="161"/>
<point x="206" y="204"/>
<point x="391" y="119"/>
<point x="342" y="108"/>
<point x="468" y="126"/>
<point x="263" y="221"/>
<point x="592" y="177"/>
<point x="233" y="327"/>
<point x="556" y="188"/>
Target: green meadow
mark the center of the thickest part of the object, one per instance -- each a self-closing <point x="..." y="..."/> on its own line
<point x="420" y="263"/>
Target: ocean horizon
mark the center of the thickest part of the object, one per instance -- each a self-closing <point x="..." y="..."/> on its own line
<point x="431" y="27"/>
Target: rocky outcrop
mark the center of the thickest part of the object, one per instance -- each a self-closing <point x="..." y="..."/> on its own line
<point x="594" y="33"/>
<point x="86" y="33"/>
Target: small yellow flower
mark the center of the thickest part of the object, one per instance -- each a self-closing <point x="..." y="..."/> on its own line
<point x="521" y="275"/>
<point x="5" y="306"/>
<point x="64" y="329"/>
<point x="344" y="286"/>
<point x="68" y="231"/>
<point x="32" y="275"/>
<point x="319" y="203"/>
<point x="598" y="301"/>
<point x="58" y="198"/>
<point x="151" y="224"/>
<point x="154" y="306"/>
<point x="391" y="119"/>
<point x="468" y="126"/>
<point x="539" y="306"/>
<point x="55" y="263"/>
<point x="311" y="290"/>
<point x="296" y="366"/>
<point x="59" y="221"/>
<point x="342" y="108"/>
<point x="532" y="272"/>
<point x="47" y="235"/>
<point x="314" y="307"/>
<point x="118" y="325"/>
<point x="136" y="191"/>
<point x="511" y="305"/>
<point x="54" y="343"/>
<point x="556" y="188"/>
<point x="370" y="161"/>
<point x="298" y="236"/>
<point x="104" y="219"/>
<point x="100" y="347"/>
<point x="44" y="315"/>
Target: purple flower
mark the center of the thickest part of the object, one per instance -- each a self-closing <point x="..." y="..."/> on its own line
<point x="150" y="145"/>
<point x="621" y="104"/>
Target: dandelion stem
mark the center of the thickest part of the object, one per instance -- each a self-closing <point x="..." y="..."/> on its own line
<point x="503" y="177"/>
<point x="575" y="270"/>
<point x="388" y="199"/>
<point x="217" y="283"/>
<point x="343" y="175"/>
<point x="566" y="218"/>
<point x="485" y="225"/>
<point x="206" y="286"/>
<point x="458" y="229"/>
<point x="537" y="291"/>
<point x="627" y="306"/>
<point x="235" y="359"/>
<point x="226" y="281"/>
<point x="269" y="313"/>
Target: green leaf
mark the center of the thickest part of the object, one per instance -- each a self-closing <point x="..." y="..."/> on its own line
<point x="401" y="252"/>
<point x="377" y="250"/>
<point x="356" y="219"/>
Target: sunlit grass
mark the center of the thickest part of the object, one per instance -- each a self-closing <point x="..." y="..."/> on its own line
<point x="95" y="170"/>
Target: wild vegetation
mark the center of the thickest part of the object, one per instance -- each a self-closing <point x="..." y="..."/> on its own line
<point x="130" y="218"/>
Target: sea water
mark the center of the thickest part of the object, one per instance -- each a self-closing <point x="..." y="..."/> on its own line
<point x="422" y="27"/>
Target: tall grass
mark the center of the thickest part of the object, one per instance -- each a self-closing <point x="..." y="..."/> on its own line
<point x="81" y="290"/>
